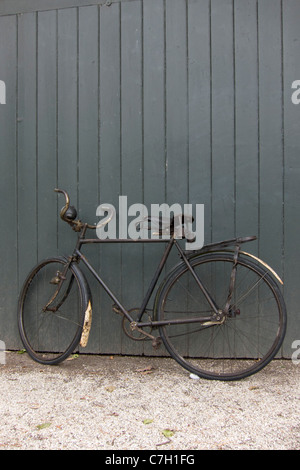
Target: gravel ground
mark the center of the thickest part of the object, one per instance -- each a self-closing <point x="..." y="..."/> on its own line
<point x="140" y="403"/>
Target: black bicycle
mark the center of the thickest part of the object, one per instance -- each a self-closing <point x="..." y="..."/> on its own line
<point x="219" y="312"/>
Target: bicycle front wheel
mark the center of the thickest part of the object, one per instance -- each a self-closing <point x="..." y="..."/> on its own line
<point x="251" y="332"/>
<point x="50" y="318"/>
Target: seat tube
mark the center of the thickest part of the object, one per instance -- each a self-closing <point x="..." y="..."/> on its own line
<point x="206" y="294"/>
<point x="155" y="278"/>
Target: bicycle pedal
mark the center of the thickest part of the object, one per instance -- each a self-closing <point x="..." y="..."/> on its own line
<point x="156" y="343"/>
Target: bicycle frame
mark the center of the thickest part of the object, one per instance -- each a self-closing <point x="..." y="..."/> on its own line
<point x="242" y="328"/>
<point x="77" y="255"/>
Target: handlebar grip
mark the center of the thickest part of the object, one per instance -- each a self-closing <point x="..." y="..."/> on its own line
<point x="66" y="206"/>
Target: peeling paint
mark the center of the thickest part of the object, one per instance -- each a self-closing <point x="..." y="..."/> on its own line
<point x="86" y="326"/>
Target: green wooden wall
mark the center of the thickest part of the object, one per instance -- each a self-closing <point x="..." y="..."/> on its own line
<point x="183" y="101"/>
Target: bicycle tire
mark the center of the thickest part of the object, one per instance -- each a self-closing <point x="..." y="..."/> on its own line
<point x="251" y="334"/>
<point x="48" y="336"/>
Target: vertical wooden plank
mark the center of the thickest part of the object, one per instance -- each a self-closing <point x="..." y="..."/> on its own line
<point x="48" y="214"/>
<point x="270" y="134"/>
<point x="222" y="122"/>
<point x="154" y="128"/>
<point x="199" y="121"/>
<point x="27" y="164"/>
<point x="291" y="61"/>
<point x="9" y="288"/>
<point x="176" y="107"/>
<point x="132" y="150"/>
<point x="246" y="125"/>
<point x="176" y="101"/>
<point x="154" y="109"/>
<point x="110" y="170"/>
<point x="246" y="118"/>
<point x="67" y="116"/>
<point x="88" y="112"/>
<point x="199" y="93"/>
<point x="88" y="174"/>
<point x="222" y="102"/>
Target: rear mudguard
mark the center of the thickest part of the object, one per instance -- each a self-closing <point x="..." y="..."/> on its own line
<point x="87" y="304"/>
<point x="263" y="263"/>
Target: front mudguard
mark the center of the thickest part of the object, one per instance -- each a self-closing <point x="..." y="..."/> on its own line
<point x="87" y="303"/>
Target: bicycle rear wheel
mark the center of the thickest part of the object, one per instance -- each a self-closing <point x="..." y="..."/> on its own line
<point x="251" y="332"/>
<point x="50" y="319"/>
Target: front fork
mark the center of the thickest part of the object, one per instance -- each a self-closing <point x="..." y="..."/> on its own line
<point x="58" y="280"/>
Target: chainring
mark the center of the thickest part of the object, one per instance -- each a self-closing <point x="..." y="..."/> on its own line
<point x="135" y="334"/>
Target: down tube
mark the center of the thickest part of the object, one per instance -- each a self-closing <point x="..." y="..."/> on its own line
<point x="102" y="283"/>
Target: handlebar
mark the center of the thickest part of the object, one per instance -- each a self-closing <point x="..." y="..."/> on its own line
<point x="66" y="206"/>
<point x="68" y="214"/>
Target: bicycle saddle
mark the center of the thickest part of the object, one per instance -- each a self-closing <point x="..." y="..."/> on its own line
<point x="166" y="225"/>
